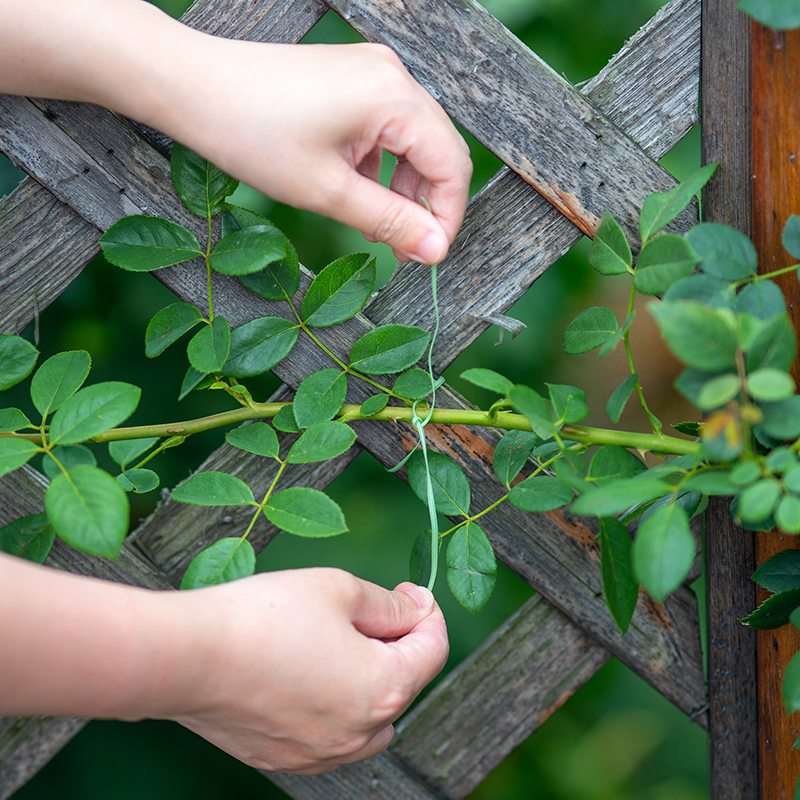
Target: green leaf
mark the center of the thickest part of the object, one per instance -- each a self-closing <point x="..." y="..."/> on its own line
<point x="662" y="262"/>
<point x="320" y="396"/>
<point x="88" y="510"/>
<point x="419" y="561"/>
<point x="780" y="572"/>
<point x="12" y="419"/>
<point x="208" y="349"/>
<point x="139" y="481"/>
<point x="194" y="379"/>
<point x="17" y="359"/>
<point x="762" y="299"/>
<point x="540" y="493"/>
<point x="660" y="208"/>
<point x="791" y="677"/>
<point x="589" y="329"/>
<point x="722" y="436"/>
<point x="69" y="456"/>
<point x="774" y="611"/>
<point x="320" y="442"/>
<point x="93" y="410"/>
<point x="168" y="325"/>
<point x="28" y="537"/>
<point x="663" y="551"/>
<point x="715" y="483"/>
<point x="787" y="514"/>
<point x="756" y="502"/>
<point x="612" y="462"/>
<point x="618" y="496"/>
<point x="305" y="512"/>
<point x="619" y="397"/>
<point x="689" y="428"/>
<point x="258" y="345"/>
<point x="127" y="450"/>
<point x="389" y="348"/>
<point x="770" y="384"/>
<point x="610" y="253"/>
<point x="535" y="408"/>
<point x="59" y="378"/>
<point x="707" y="289"/>
<point x="569" y="403"/>
<point x="780" y="14"/>
<point x="780" y="460"/>
<point x="258" y="438"/>
<point x="619" y="584"/>
<point x="611" y="343"/>
<point x="488" y="379"/>
<point x="700" y="336"/>
<point x="247" y="251"/>
<point x="372" y="405"/>
<point x="512" y="453"/>
<point x="718" y="391"/>
<point x="413" y="384"/>
<point x="339" y="291"/>
<point x="451" y="493"/>
<point x="775" y="345"/>
<point x="226" y="560"/>
<point x="284" y="420"/>
<point x="471" y="567"/>
<point x="144" y="244"/>
<point x="745" y="473"/>
<point x="781" y="418"/>
<point x="213" y="489"/>
<point x="725" y="252"/>
<point x="201" y="186"/>
<point x="791" y="231"/>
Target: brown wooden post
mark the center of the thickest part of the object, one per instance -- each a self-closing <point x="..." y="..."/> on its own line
<point x="776" y="195"/>
<point x="730" y="556"/>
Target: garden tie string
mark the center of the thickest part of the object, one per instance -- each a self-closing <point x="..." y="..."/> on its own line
<point x="419" y="423"/>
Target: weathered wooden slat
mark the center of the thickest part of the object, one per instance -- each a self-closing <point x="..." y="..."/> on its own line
<point x="517" y="106"/>
<point x="496" y="698"/>
<point x="534" y="233"/>
<point x="44" y="245"/>
<point x="730" y="550"/>
<point x="380" y="777"/>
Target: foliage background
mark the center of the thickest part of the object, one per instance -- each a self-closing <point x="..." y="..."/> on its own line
<point x="616" y="738"/>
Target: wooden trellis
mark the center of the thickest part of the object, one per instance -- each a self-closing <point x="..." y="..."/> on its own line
<point x="570" y="155"/>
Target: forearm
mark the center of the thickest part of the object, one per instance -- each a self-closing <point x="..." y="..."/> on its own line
<point x="77" y="646"/>
<point x="117" y="53"/>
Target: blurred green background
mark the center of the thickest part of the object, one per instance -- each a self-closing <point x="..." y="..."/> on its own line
<point x="616" y="738"/>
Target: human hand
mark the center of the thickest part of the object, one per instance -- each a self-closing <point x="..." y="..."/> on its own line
<point x="306" y="125"/>
<point x="303" y="670"/>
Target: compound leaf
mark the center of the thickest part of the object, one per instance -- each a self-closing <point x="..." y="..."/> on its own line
<point x="258" y="345"/>
<point x="471" y="567"/>
<point x="29" y="537"/>
<point x="320" y="396"/>
<point x="258" y="438"/>
<point x="59" y="378"/>
<point x="620" y="587"/>
<point x="451" y="492"/>
<point x="143" y="244"/>
<point x="201" y="186"/>
<point x="93" y="410"/>
<point x="339" y="291"/>
<point x="17" y="359"/>
<point x="168" y="325"/>
<point x="226" y="560"/>
<point x="389" y="348"/>
<point x="213" y="489"/>
<point x="305" y="512"/>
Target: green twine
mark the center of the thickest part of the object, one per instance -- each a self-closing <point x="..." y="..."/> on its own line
<point x="419" y="423"/>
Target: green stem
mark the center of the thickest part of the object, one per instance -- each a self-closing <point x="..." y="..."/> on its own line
<point x="656" y="443"/>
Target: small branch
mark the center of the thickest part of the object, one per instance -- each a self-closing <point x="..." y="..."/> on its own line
<point x="504" y="420"/>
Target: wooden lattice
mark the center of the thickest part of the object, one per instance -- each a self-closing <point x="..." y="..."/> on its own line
<point x="570" y="155"/>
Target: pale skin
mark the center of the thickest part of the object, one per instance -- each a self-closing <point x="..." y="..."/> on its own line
<point x="298" y="671"/>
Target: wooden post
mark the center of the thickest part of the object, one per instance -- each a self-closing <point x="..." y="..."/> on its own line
<point x="730" y="556"/>
<point x="776" y="195"/>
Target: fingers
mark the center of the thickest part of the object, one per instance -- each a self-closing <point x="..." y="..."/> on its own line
<point x="381" y="614"/>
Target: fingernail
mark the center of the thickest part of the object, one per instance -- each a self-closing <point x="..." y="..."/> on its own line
<point x="431" y="248"/>
<point x="422" y="596"/>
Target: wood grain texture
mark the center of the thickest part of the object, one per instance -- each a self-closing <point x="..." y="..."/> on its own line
<point x="382" y="776"/>
<point x="658" y="68"/>
<point x="496" y="698"/>
<point x="534" y="120"/>
<point x="730" y="553"/>
<point x="44" y="246"/>
<point x="776" y="195"/>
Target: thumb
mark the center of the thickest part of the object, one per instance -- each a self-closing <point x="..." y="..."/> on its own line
<point x="389" y="217"/>
<point x="382" y="614"/>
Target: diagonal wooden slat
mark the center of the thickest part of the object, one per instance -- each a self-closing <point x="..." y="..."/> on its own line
<point x="496" y="698"/>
